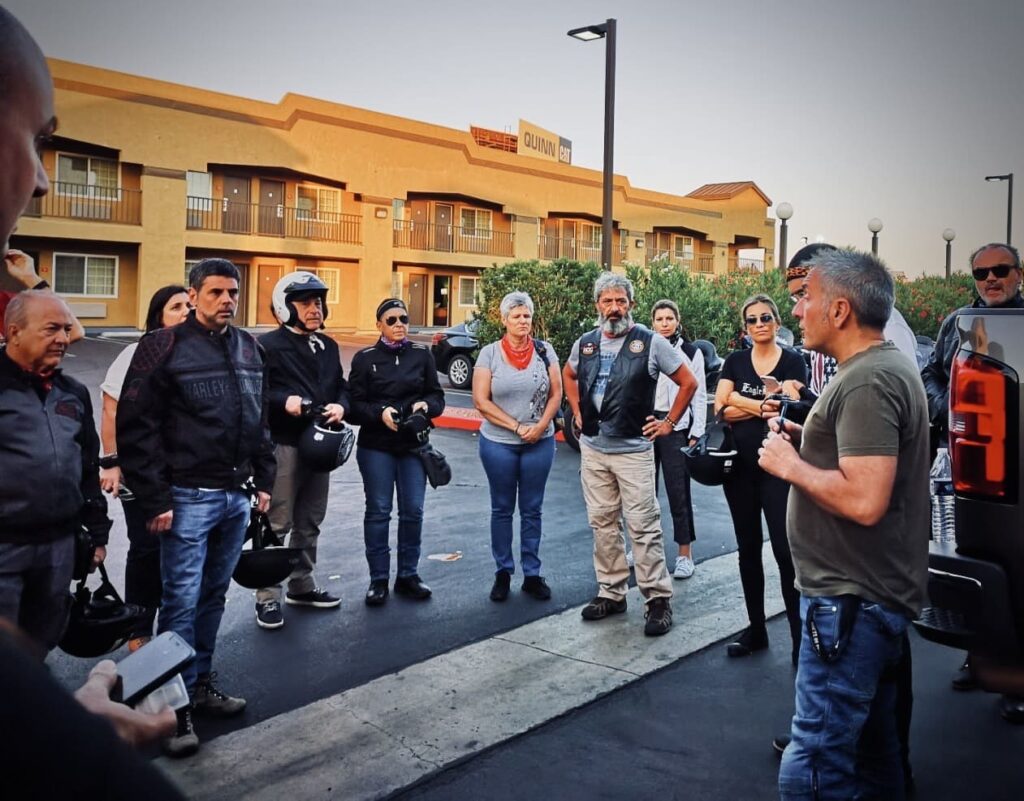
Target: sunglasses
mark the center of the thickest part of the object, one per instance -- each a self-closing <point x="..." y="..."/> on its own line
<point x="764" y="318"/>
<point x="797" y="296"/>
<point x="401" y="318"/>
<point x="999" y="271"/>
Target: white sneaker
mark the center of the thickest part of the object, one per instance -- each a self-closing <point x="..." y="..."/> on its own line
<point x="684" y="568"/>
<point x="629" y="559"/>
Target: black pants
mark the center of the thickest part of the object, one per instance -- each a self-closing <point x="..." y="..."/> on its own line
<point x="668" y="458"/>
<point x="142" y="583"/>
<point x="749" y="491"/>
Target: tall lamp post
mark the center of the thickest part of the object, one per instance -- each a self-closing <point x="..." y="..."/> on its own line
<point x="1009" y="201"/>
<point x="605" y="31"/>
<point x="874" y="226"/>
<point x="783" y="211"/>
<point x="949" y="235"/>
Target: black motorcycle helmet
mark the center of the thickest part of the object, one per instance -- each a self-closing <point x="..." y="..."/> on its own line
<point x="266" y="563"/>
<point x="414" y="428"/>
<point x="322" y="448"/>
<point x="100" y="622"/>
<point x="710" y="460"/>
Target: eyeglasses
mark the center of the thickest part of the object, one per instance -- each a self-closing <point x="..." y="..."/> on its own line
<point x="401" y="318"/>
<point x="764" y="318"/>
<point x="797" y="296"/>
<point x="999" y="271"/>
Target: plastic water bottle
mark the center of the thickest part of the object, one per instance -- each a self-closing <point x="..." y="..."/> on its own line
<point x="943" y="498"/>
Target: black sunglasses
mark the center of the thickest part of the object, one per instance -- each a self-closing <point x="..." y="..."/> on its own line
<point x="401" y="318"/>
<point x="764" y="318"/>
<point x="999" y="271"/>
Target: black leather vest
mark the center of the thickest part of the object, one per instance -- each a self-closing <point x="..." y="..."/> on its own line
<point x="629" y="396"/>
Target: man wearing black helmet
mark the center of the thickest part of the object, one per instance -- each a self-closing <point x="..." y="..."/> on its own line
<point x="305" y="375"/>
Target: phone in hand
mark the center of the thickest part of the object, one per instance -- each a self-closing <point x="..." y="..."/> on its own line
<point x="771" y="384"/>
<point x="143" y="671"/>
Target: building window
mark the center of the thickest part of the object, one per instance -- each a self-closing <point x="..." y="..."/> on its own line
<point x="397" y="213"/>
<point x="88" y="276"/>
<point x="468" y="288"/>
<point x="199" y="188"/>
<point x="330" y="276"/>
<point x="683" y="247"/>
<point x="317" y="203"/>
<point x="590" y="236"/>
<point x="74" y="172"/>
<point x="476" y="222"/>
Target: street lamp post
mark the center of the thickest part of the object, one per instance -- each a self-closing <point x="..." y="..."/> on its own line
<point x="874" y="226"/>
<point x="783" y="211"/>
<point x="1009" y="201"/>
<point x="605" y="31"/>
<point x="949" y="235"/>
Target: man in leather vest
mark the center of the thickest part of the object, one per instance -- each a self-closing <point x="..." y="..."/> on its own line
<point x="610" y="379"/>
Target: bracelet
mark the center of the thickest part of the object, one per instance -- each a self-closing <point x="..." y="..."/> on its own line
<point x="42" y="285"/>
<point x="670" y="421"/>
<point x="108" y="461"/>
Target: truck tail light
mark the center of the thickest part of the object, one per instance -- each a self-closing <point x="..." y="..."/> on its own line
<point x="982" y="449"/>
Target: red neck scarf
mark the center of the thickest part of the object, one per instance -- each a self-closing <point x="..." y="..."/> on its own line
<point x="517" y="357"/>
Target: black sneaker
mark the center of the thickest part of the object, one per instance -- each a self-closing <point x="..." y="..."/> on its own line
<point x="185" y="742"/>
<point x="601" y="607"/>
<point x="268" y="615"/>
<point x="963" y="680"/>
<point x="1011" y="707"/>
<point x="537" y="587"/>
<point x="209" y="699"/>
<point x="377" y="594"/>
<point x="748" y="642"/>
<point x="317" y="597"/>
<point x="412" y="587"/>
<point x="502" y="582"/>
<point x="658" y="614"/>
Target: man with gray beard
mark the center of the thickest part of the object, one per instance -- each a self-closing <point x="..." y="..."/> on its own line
<point x="610" y="379"/>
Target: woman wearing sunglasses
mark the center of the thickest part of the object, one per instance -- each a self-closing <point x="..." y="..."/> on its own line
<point x="748" y="378"/>
<point x="395" y="392"/>
<point x="517" y="387"/>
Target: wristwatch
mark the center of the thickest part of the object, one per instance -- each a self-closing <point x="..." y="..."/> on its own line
<point x="108" y="461"/>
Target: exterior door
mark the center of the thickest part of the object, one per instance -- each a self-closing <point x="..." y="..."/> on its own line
<point x="269" y="274"/>
<point x="417" y="299"/>
<point x="443" y="227"/>
<point x="568" y="244"/>
<point x="271" y="209"/>
<point x="236" y="205"/>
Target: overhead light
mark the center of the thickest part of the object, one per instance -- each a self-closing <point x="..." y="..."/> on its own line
<point x="589" y="33"/>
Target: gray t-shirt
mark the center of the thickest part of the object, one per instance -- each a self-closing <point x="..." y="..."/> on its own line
<point x="522" y="394"/>
<point x="661" y="358"/>
<point x="875" y="406"/>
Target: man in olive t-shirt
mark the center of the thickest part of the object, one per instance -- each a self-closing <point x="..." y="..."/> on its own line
<point x="858" y="528"/>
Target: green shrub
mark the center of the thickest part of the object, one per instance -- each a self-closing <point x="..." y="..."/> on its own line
<point x="926" y="301"/>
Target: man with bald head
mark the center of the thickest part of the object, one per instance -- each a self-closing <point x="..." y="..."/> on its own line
<point x="49" y="457"/>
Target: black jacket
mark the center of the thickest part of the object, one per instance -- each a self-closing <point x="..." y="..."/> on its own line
<point x="935" y="374"/>
<point x="193" y="413"/>
<point x="293" y="369"/>
<point x="382" y="378"/>
<point x="49" y="460"/>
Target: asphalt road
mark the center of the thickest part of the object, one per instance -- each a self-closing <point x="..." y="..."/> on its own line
<point x="697" y="729"/>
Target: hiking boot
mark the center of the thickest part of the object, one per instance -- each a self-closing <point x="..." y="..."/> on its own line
<point x="412" y="587"/>
<point x="268" y="615"/>
<point x="659" y="617"/>
<point x="209" y="699"/>
<point x="317" y="597"/>
<point x="537" y="587"/>
<point x="377" y="594"/>
<point x="748" y="642"/>
<point x="684" y="568"/>
<point x="601" y="607"/>
<point x="185" y="742"/>
<point x="502" y="582"/>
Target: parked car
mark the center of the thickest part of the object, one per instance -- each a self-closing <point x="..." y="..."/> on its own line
<point x="454" y="351"/>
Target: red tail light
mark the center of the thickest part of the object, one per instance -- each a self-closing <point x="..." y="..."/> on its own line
<point x="436" y="339"/>
<point x="983" y="451"/>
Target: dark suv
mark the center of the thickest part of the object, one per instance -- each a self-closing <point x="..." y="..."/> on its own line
<point x="453" y="350"/>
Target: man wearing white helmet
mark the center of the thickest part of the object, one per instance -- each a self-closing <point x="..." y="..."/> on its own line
<point x="305" y="381"/>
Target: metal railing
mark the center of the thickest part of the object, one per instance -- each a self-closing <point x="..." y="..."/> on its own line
<point x="737" y="265"/>
<point x="452" y="238"/>
<point x="84" y="202"/>
<point x="699" y="262"/>
<point x="552" y="247"/>
<point x="231" y="217"/>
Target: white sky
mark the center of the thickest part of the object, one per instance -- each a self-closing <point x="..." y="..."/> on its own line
<point x="894" y="109"/>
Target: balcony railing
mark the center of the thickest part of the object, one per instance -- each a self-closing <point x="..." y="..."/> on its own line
<point x="737" y="265"/>
<point x="452" y="238"/>
<point x="698" y="262"/>
<point x="552" y="247"/>
<point x="83" y="202"/>
<point x="230" y="217"/>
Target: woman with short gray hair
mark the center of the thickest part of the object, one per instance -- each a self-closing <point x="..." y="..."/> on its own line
<point x="517" y="387"/>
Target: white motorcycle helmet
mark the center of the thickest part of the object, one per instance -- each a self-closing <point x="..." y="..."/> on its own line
<point x="288" y="288"/>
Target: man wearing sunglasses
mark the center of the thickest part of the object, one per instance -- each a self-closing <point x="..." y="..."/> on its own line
<point x="997" y="277"/>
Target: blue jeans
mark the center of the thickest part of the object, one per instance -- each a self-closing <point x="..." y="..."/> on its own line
<point x="844" y="742"/>
<point x="197" y="557"/>
<point x="512" y="470"/>
<point x="382" y="474"/>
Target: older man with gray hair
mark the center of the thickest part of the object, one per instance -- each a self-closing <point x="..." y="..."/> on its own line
<point x="610" y="380"/>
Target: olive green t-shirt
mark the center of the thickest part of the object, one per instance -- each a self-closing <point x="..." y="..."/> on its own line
<point x="875" y="406"/>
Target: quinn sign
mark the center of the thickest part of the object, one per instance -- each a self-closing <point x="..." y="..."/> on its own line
<point x="541" y="144"/>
